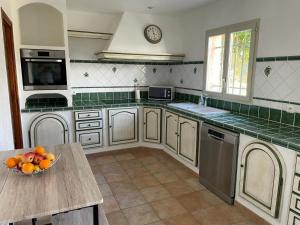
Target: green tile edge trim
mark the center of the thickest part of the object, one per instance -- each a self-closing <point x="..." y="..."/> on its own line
<point x="278" y="58"/>
<point x="274" y="100"/>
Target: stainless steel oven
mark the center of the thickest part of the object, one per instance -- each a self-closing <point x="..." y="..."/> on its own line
<point x="43" y="69"/>
<point x="161" y="93"/>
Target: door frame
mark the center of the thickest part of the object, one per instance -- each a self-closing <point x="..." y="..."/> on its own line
<point x="12" y="80"/>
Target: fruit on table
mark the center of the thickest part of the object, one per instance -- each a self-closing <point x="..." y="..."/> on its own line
<point x="50" y="156"/>
<point x="45" y="164"/>
<point x="38" y="158"/>
<point x="40" y="150"/>
<point x="11" y="162"/>
<point x="36" y="168"/>
<point x="28" y="157"/>
<point x="27" y="168"/>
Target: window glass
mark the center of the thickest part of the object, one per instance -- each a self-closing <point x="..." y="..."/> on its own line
<point x="215" y="59"/>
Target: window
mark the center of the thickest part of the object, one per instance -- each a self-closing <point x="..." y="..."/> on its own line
<point x="230" y="57"/>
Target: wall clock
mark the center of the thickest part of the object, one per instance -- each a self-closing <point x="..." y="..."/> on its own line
<point x="153" y="34"/>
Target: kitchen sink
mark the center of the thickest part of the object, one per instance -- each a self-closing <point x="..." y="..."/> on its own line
<point x="196" y="108"/>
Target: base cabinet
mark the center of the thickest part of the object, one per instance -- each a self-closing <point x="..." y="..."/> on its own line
<point x="261" y="177"/>
<point x="152" y="125"/>
<point x="48" y="129"/>
<point x="182" y="136"/>
<point x="123" y="125"/>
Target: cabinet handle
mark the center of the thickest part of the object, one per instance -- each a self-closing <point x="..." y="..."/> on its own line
<point x="89" y="139"/>
<point x="89" y="125"/>
<point x="110" y="126"/>
<point x="242" y="165"/>
<point x="88" y="115"/>
<point x="144" y="123"/>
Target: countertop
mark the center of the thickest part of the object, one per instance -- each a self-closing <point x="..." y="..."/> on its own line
<point x="280" y="134"/>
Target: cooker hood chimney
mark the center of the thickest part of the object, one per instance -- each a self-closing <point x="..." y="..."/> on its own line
<point x="129" y="44"/>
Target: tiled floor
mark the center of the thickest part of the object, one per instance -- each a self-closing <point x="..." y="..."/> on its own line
<point x="147" y="186"/>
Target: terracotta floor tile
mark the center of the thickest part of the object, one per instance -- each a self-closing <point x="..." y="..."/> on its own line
<point x="155" y="193"/>
<point x="130" y="164"/>
<point x="105" y="190"/>
<point x="144" y="182"/>
<point x="164" y="178"/>
<point x="116" y="177"/>
<point x="194" y="183"/>
<point x="125" y="156"/>
<point x="168" y="208"/>
<point x="116" y="218"/>
<point x="110" y="204"/>
<point x="140" y="215"/>
<point x="110" y="167"/>
<point x="178" y="188"/>
<point x="186" y="219"/>
<point x="106" y="159"/>
<point x="156" y="168"/>
<point x="157" y="223"/>
<point x="122" y="187"/>
<point x="100" y="179"/>
<point x="148" y="160"/>
<point x="137" y="172"/>
<point x="131" y="199"/>
<point x="184" y="173"/>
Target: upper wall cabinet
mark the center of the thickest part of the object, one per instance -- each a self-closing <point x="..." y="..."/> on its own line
<point x="41" y="25"/>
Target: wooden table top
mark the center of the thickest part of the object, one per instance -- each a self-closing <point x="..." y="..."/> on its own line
<point x="68" y="185"/>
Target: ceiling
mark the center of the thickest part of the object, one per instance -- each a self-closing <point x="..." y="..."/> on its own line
<point x="115" y="6"/>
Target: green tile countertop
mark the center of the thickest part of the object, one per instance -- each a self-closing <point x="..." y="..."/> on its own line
<point x="280" y="134"/>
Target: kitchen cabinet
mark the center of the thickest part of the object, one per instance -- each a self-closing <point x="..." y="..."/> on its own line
<point x="187" y="143"/>
<point x="261" y="177"/>
<point x="152" y="125"/>
<point x="181" y="136"/>
<point x="123" y="127"/>
<point x="89" y="128"/>
<point x="48" y="129"/>
<point x="172" y="131"/>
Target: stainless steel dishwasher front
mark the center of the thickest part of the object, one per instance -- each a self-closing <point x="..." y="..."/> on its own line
<point x="218" y="161"/>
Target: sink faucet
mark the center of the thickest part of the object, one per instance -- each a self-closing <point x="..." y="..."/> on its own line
<point x="203" y="100"/>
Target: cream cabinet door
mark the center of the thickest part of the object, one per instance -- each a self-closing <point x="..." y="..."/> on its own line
<point x="188" y="133"/>
<point x="152" y="125"/>
<point x="122" y="125"/>
<point x="48" y="129"/>
<point x="261" y="177"/>
<point x="172" y="131"/>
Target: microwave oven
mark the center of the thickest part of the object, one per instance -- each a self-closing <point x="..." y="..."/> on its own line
<point x="43" y="69"/>
<point x="161" y="93"/>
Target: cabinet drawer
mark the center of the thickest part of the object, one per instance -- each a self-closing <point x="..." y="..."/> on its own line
<point x="296" y="185"/>
<point x="294" y="219"/>
<point x="298" y="165"/>
<point x="84" y="115"/>
<point x="295" y="203"/>
<point x="86" y="125"/>
<point x="89" y="138"/>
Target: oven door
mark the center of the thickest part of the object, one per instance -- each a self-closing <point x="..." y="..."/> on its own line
<point x="44" y="74"/>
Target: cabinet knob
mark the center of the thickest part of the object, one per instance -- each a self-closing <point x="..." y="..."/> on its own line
<point x="89" y="125"/>
<point x="242" y="165"/>
<point x="88" y="115"/>
<point x="144" y="123"/>
<point x="89" y="139"/>
<point x="110" y="126"/>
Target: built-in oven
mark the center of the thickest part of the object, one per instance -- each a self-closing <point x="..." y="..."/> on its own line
<point x="43" y="69"/>
<point x="161" y="93"/>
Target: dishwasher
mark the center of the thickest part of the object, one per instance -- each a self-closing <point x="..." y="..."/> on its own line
<point x="218" y="161"/>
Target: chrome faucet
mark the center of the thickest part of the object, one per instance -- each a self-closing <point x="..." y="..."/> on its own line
<point x="203" y="100"/>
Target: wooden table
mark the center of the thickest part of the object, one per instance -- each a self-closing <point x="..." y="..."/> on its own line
<point x="69" y="185"/>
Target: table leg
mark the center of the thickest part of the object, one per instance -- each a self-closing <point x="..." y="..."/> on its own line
<point x="33" y="221"/>
<point x="96" y="215"/>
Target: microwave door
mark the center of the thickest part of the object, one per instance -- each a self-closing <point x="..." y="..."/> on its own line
<point x="158" y="93"/>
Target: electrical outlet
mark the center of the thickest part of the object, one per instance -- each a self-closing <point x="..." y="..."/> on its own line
<point x="290" y="109"/>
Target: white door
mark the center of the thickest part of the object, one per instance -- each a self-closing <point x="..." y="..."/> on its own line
<point x="171" y="131"/>
<point x="152" y="124"/>
<point x="188" y="133"/>
<point x="261" y="177"/>
<point x="48" y="130"/>
<point x="122" y="125"/>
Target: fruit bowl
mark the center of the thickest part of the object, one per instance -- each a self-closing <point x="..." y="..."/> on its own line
<point x="32" y="163"/>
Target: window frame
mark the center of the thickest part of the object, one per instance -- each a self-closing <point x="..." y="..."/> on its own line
<point x="227" y="30"/>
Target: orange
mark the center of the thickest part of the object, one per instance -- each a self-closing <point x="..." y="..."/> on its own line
<point x="11" y="162"/>
<point x="27" y="168"/>
<point x="40" y="150"/>
<point x="45" y="164"/>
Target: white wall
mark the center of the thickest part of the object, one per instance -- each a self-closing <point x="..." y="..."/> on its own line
<point x="6" y="134"/>
<point x="129" y="36"/>
<point x="279" y="34"/>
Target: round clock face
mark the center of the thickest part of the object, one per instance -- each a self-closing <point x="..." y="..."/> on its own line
<point x="153" y="34"/>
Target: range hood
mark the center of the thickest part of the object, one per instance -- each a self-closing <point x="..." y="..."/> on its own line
<point x="144" y="57"/>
